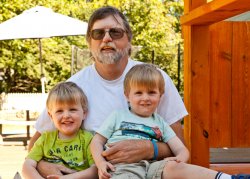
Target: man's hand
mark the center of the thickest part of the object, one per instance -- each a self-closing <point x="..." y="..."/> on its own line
<point x="129" y="151"/>
<point x="46" y="168"/>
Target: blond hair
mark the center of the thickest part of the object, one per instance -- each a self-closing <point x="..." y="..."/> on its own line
<point x="145" y="76"/>
<point x="67" y="92"/>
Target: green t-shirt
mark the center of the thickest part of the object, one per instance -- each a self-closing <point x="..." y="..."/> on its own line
<point x="73" y="153"/>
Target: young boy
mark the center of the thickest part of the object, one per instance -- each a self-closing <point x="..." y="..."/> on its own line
<point x="69" y="144"/>
<point x="143" y="88"/>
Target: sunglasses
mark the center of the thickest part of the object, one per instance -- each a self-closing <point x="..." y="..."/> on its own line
<point x="114" y="33"/>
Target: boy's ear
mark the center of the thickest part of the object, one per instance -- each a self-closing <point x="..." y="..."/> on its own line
<point x="85" y="113"/>
<point x="50" y="115"/>
<point x="126" y="95"/>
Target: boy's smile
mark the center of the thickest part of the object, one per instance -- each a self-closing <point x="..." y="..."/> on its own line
<point x="67" y="118"/>
<point x="143" y="101"/>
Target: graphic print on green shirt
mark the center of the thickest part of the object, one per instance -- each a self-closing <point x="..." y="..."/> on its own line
<point x="73" y="153"/>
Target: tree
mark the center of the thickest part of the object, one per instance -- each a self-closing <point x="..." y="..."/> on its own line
<point x="21" y="57"/>
<point x="155" y="26"/>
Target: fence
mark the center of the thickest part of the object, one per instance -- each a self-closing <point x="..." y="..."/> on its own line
<point x="20" y="109"/>
<point x="23" y="101"/>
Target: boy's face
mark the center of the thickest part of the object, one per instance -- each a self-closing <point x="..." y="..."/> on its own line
<point x="67" y="118"/>
<point x="143" y="101"/>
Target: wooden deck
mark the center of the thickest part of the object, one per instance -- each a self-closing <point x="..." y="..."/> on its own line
<point x="232" y="168"/>
<point x="230" y="160"/>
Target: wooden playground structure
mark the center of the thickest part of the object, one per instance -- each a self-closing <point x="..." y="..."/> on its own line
<point x="216" y="80"/>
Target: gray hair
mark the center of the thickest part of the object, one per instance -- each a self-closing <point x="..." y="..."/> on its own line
<point x="104" y="12"/>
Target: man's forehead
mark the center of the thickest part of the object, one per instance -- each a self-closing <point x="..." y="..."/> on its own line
<point x="108" y="22"/>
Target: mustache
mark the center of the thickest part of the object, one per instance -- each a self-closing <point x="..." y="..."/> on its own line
<point x="109" y="44"/>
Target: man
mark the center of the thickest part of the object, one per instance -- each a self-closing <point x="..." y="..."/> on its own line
<point x="109" y="37"/>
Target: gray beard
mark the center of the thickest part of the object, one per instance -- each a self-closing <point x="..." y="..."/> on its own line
<point x="110" y="58"/>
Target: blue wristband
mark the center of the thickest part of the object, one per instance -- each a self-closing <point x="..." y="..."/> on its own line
<point x="155" y="149"/>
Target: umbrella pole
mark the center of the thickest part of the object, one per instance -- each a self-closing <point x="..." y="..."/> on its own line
<point x="41" y="63"/>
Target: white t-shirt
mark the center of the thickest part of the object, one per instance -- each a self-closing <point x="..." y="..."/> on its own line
<point x="106" y="96"/>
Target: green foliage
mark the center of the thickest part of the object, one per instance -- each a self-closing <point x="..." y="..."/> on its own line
<point x="155" y="26"/>
<point x="19" y="59"/>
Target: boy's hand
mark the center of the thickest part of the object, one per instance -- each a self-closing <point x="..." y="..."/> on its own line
<point x="173" y="159"/>
<point x="103" y="170"/>
<point x="53" y="177"/>
<point x="58" y="177"/>
<point x="45" y="169"/>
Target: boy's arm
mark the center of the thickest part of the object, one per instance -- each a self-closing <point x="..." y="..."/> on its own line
<point x="179" y="150"/>
<point x="91" y="172"/>
<point x="29" y="169"/>
<point x="96" y="147"/>
<point x="130" y="151"/>
<point x="163" y="149"/>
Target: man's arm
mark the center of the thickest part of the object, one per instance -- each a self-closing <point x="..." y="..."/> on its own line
<point x="130" y="151"/>
<point x="46" y="168"/>
<point x="29" y="169"/>
<point x="33" y="140"/>
<point x="90" y="172"/>
<point x="177" y="127"/>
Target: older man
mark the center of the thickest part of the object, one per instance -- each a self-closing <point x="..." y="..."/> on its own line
<point x="109" y="37"/>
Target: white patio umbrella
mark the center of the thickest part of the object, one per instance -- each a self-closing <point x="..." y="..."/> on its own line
<point x="41" y="22"/>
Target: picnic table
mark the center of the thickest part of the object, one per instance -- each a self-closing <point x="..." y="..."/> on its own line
<point x="17" y="122"/>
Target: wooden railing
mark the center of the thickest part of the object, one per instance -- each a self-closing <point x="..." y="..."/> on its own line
<point x="28" y="122"/>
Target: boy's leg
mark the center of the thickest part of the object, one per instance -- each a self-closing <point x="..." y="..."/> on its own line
<point x="155" y="169"/>
<point x="173" y="170"/>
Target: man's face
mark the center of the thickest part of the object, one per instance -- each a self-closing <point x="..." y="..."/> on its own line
<point x="109" y="50"/>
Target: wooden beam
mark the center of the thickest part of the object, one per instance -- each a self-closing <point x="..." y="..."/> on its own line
<point x="195" y="58"/>
<point x="231" y="168"/>
<point x="215" y="11"/>
<point x="197" y="93"/>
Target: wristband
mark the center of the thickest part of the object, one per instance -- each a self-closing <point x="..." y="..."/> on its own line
<point x="155" y="149"/>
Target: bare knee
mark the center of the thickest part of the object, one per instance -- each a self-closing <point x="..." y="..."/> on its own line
<point x="172" y="170"/>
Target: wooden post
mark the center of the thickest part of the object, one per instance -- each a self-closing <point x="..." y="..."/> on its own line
<point x="196" y="88"/>
<point x="1" y="129"/>
<point x="28" y="127"/>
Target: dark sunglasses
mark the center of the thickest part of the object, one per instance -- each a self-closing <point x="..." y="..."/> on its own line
<point x="114" y="33"/>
